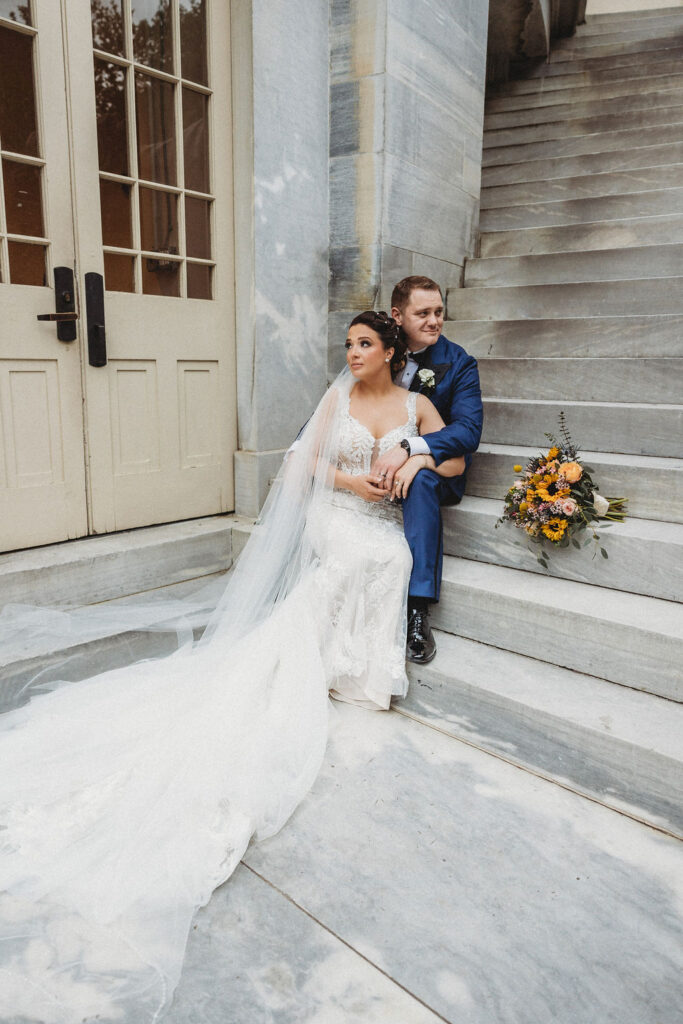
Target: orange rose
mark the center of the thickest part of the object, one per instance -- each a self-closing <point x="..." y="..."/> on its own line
<point x="571" y="471"/>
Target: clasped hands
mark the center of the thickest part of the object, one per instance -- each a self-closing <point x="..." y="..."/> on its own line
<point x="392" y="476"/>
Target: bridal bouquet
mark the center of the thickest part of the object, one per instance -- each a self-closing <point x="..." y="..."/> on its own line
<point x="555" y="498"/>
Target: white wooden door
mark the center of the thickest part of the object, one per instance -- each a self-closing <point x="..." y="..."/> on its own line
<point x="152" y="164"/>
<point x="42" y="479"/>
<point x="125" y="157"/>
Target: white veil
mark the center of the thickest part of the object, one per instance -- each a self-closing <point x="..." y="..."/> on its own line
<point x="127" y="797"/>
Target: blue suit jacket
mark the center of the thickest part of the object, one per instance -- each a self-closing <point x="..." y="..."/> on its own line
<point x="457" y="396"/>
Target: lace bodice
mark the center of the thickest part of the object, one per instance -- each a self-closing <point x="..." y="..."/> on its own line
<point x="358" y="450"/>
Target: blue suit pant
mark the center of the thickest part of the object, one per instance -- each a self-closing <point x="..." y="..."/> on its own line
<point x="424" y="531"/>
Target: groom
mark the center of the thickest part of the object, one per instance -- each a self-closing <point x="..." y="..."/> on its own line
<point x="448" y="376"/>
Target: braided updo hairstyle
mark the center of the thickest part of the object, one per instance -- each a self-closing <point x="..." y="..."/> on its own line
<point x="389" y="332"/>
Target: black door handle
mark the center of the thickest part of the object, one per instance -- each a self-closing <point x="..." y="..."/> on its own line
<point x="65" y="313"/>
<point x="94" y="309"/>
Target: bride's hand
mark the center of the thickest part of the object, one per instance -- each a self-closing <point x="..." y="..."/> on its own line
<point x="406" y="474"/>
<point x="369" y="487"/>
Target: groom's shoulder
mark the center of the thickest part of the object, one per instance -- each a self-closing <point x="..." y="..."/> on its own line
<point x="451" y="352"/>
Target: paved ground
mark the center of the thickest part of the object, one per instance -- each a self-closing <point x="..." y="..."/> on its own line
<point x="423" y="880"/>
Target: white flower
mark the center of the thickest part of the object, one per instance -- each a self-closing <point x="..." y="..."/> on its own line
<point x="600" y="504"/>
<point x="426" y="378"/>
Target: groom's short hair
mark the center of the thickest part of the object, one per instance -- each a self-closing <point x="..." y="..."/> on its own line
<point x="404" y="289"/>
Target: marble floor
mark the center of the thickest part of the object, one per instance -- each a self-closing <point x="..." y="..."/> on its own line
<point x="423" y="880"/>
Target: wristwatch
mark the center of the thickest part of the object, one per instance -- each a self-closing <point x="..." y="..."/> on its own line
<point x="405" y="444"/>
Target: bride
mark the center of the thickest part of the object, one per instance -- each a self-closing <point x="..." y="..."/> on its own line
<point x="126" y="798"/>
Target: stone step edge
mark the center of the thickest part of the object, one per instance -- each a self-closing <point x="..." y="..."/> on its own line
<point x="554" y="115"/>
<point x="90" y="556"/>
<point x="516" y="725"/>
<point x="553" y="258"/>
<point x="620" y="123"/>
<point x="611" y="197"/>
<point x="522" y="149"/>
<point x="534" y="100"/>
<point x="628" y="640"/>
<point x="572" y="178"/>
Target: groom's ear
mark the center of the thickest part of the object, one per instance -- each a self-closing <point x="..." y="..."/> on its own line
<point x="396" y="313"/>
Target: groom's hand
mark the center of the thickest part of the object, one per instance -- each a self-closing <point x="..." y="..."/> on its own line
<point x="387" y="465"/>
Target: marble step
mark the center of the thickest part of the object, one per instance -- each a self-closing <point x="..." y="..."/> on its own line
<point x="654" y="486"/>
<point x="623" y="750"/>
<point x="554" y="127"/>
<point x="650" y="57"/>
<point x="114" y="565"/>
<point x="586" y="93"/>
<point x="145" y="625"/>
<point x="657" y="64"/>
<point x="654" y="202"/>
<point x="600" y="164"/>
<point x="644" y="557"/>
<point x="590" y="380"/>
<point x="635" y="49"/>
<point x="652" y="24"/>
<point x="624" y="428"/>
<point x="626" y="17"/>
<point x="627" y="639"/>
<point x="546" y="301"/>
<point x="583" y="186"/>
<point x="585" y="45"/>
<point x="642" y="262"/>
<point x="600" y="107"/>
<point x="579" y="145"/>
<point x="618" y="336"/>
<point x="619" y="233"/>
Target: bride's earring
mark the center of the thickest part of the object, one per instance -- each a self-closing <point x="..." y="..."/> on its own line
<point x="387" y="360"/>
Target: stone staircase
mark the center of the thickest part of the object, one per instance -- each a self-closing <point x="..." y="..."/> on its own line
<point x="576" y="303"/>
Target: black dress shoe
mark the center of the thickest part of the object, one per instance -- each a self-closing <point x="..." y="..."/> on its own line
<point x="420" y="644"/>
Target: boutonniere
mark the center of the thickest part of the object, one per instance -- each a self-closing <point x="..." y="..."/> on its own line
<point x="426" y="378"/>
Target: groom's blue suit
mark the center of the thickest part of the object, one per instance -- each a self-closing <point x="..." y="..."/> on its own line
<point x="457" y="396"/>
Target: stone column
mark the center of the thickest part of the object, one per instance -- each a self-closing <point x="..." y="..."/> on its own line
<point x="281" y="126"/>
<point x="407" y="109"/>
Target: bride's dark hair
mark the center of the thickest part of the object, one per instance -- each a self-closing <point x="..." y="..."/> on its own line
<point x="390" y="334"/>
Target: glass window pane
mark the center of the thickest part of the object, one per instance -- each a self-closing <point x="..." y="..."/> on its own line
<point x="156" y="129"/>
<point x="119" y="273"/>
<point x="107" y="25"/>
<point x="198" y="227"/>
<point x="160" y="277"/>
<point x="193" y="40"/>
<point x="23" y="202"/>
<point x="196" y="140"/>
<point x="27" y="263"/>
<point x="158" y="220"/>
<point x="199" y="281"/>
<point x="17" y="100"/>
<point x="110" y="104"/>
<point x="16" y="11"/>
<point x="153" y="33"/>
<point x="115" y="207"/>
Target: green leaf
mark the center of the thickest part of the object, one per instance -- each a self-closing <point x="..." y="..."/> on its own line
<point x="576" y="543"/>
<point x="604" y="553"/>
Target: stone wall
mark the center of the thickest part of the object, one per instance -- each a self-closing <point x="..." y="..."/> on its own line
<point x="406" y="112"/>
<point x="281" y="116"/>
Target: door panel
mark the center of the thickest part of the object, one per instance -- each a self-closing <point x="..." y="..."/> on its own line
<point x="154" y="183"/>
<point x="42" y="478"/>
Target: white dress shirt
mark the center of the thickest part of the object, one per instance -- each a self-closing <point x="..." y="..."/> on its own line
<point x="418" y="445"/>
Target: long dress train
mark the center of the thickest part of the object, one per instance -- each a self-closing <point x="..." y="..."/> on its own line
<point x="126" y="798"/>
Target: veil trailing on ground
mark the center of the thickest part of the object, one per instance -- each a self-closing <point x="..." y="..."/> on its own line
<point x="128" y="796"/>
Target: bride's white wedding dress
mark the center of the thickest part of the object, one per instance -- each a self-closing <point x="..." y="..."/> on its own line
<point x="125" y="799"/>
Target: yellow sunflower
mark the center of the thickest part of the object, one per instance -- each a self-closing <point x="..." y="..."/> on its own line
<point x="554" y="528"/>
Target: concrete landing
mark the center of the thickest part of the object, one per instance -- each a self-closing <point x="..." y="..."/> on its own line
<point x="422" y="880"/>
